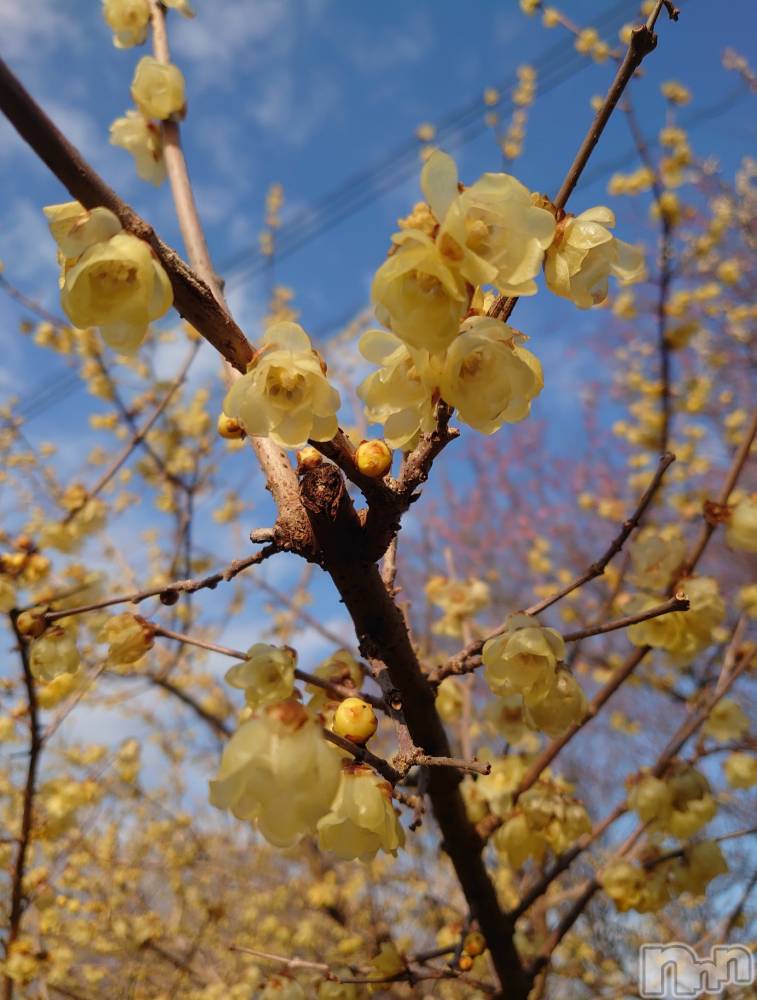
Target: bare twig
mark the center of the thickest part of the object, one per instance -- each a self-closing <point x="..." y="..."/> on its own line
<point x="169" y="592"/>
<point x="678" y="603"/>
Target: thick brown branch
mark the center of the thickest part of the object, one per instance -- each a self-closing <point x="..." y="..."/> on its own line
<point x="383" y="637"/>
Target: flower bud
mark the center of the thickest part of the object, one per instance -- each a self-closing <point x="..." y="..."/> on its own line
<point x="374" y="458"/>
<point x="475" y="943"/>
<point x="465" y="963"/>
<point x="229" y="427"/>
<point x="31" y="624"/>
<point x="355" y="720"/>
<point x="308" y="458"/>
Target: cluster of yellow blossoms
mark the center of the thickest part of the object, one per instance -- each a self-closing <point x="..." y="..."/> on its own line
<point x="109" y="278"/>
<point x="279" y="772"/>
<point x="157" y="88"/>
<point x="430" y="294"/>
<point x="545" y="818"/>
<point x="679" y="804"/>
<point x="681" y="634"/>
<point x="649" y="886"/>
<point x="523" y="660"/>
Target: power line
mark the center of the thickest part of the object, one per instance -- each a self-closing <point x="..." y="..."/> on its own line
<point x="401" y="163"/>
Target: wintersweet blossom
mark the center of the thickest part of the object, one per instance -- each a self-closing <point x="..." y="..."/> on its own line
<point x="142" y="138"/>
<point x="128" y="636"/>
<point x="492" y="232"/>
<point x="54" y="653"/>
<point x="266" y="676"/>
<point x="157" y="88"/>
<point x="523" y="658"/>
<point x="417" y="295"/>
<point x="278" y="772"/>
<point x="562" y="706"/>
<point x="584" y="254"/>
<point x="76" y="229"/>
<point x="118" y="285"/>
<point x="741" y="529"/>
<point x="285" y="394"/>
<point x="362" y="820"/>
<point x="458" y="599"/>
<point x="400" y="395"/>
<point x="488" y="377"/>
<point x="128" y="20"/>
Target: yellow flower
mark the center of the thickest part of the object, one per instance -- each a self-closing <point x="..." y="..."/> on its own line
<point x="76" y="229"/>
<point x="741" y="770"/>
<point x="417" y="295"/>
<point x="459" y="600"/>
<point x="741" y="529"/>
<point x="128" y="636"/>
<point x="650" y="798"/>
<point x="362" y="820"/>
<point x="120" y="286"/>
<point x="675" y="92"/>
<point x="285" y="394"/>
<point x="655" y="556"/>
<point x="727" y="721"/>
<point x="562" y="706"/>
<point x="157" y="88"/>
<point x="7" y="594"/>
<point x="183" y="6"/>
<point x="266" y="676"/>
<point x="585" y="254"/>
<point x="128" y="20"/>
<point x="488" y="377"/>
<point x="400" y="394"/>
<point x="700" y="864"/>
<point x="142" y="138"/>
<point x="523" y="659"/>
<point x="492" y="233"/>
<point x="279" y="772"/>
<point x="54" y="653"/>
<point x="624" y="883"/>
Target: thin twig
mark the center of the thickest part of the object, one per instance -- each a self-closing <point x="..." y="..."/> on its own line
<point x="679" y="603"/>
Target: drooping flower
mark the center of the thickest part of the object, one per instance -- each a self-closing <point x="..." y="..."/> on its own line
<point x="492" y="232"/>
<point x="362" y="820"/>
<point x="417" y="295"/>
<point x="157" y="88"/>
<point x="54" y="653"/>
<point x="128" y="20"/>
<point x="563" y="705"/>
<point x="741" y="529"/>
<point x="727" y="721"/>
<point x="584" y="254"/>
<point x="128" y="636"/>
<point x="400" y="395"/>
<point x="118" y="285"/>
<point x="285" y="394"/>
<point x="266" y="676"/>
<point x="76" y="229"/>
<point x="523" y="658"/>
<point x="142" y="138"/>
<point x="278" y="772"/>
<point x="488" y="377"/>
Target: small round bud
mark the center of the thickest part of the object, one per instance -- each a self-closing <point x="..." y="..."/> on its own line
<point x="474" y="944"/>
<point x="374" y="458"/>
<point x="31" y="624"/>
<point x="229" y="427"/>
<point x="465" y="963"/>
<point x="308" y="458"/>
<point x="355" y="720"/>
